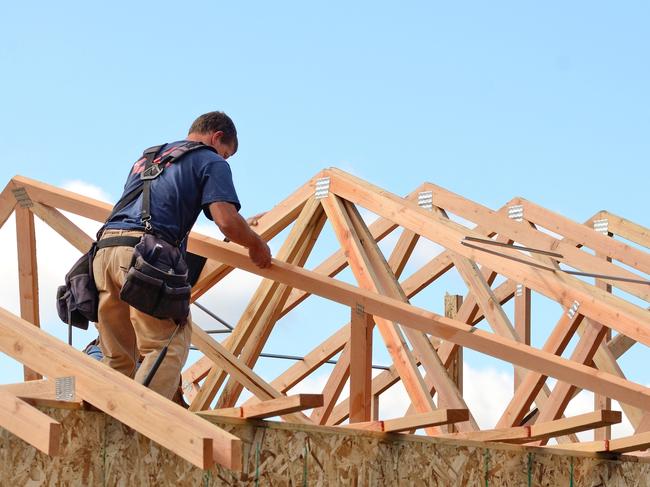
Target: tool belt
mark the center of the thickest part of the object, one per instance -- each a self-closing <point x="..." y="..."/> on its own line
<point x="157" y="280"/>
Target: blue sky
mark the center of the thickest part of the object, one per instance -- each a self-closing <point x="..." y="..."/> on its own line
<point x="547" y="100"/>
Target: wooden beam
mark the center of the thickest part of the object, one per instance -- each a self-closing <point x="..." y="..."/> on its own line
<point x="585" y="235"/>
<point x="166" y="423"/>
<point x="432" y="323"/>
<point x="437" y="417"/>
<point x="603" y="402"/>
<point x="545" y="430"/>
<point x="29" y="424"/>
<point x="361" y="326"/>
<point x="27" y="274"/>
<point x="627" y="229"/>
<point x="522" y="322"/>
<point x="7" y="203"/>
<point x="611" y="310"/>
<point x="63" y="226"/>
<point x="270" y="408"/>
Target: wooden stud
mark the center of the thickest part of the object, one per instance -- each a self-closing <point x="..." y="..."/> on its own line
<point x="361" y="326"/>
<point x="27" y="274"/>
<point x="29" y="424"/>
<point x="522" y="323"/>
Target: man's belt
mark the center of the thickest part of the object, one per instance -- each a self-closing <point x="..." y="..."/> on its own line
<point x="124" y="241"/>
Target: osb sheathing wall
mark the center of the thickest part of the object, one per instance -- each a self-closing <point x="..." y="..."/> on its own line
<point x="97" y="450"/>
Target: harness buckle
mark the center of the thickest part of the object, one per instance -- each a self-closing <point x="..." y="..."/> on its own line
<point x="152" y="172"/>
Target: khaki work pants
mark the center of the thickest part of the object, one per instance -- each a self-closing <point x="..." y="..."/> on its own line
<point x="125" y="333"/>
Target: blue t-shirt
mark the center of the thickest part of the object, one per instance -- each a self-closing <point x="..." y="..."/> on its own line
<point x="185" y="187"/>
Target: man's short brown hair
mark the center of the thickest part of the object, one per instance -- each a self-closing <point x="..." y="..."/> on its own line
<point x="215" y="122"/>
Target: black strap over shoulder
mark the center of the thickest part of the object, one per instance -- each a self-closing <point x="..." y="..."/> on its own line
<point x="155" y="164"/>
<point x="154" y="167"/>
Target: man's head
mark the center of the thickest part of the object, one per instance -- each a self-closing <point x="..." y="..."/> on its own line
<point x="215" y="129"/>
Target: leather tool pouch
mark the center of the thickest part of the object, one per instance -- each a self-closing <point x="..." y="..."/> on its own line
<point x="156" y="282"/>
<point x="78" y="299"/>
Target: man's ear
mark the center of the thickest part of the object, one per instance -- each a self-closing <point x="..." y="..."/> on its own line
<point x="215" y="137"/>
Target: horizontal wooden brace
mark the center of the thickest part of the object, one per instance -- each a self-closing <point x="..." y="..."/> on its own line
<point x="270" y="408"/>
<point x="413" y="421"/>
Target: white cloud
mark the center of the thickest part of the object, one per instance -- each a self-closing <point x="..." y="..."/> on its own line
<point x="87" y="189"/>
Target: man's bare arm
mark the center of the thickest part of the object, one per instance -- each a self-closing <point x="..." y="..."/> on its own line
<point x="236" y="229"/>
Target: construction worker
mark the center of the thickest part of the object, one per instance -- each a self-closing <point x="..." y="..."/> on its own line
<point x="198" y="181"/>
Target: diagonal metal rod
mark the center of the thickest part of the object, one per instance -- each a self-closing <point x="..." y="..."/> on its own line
<point x="212" y="315"/>
<point x="513" y="246"/>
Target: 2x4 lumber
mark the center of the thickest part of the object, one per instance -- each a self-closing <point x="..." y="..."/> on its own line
<point x="627" y="229"/>
<point x="295" y="250"/>
<point x="431" y="323"/>
<point x="361" y="267"/>
<point x="586" y="236"/>
<point x="603" y="402"/>
<point x="527" y="235"/>
<point x="163" y="421"/>
<point x="610" y="310"/>
<point x="361" y="326"/>
<point x="237" y="369"/>
<point x="27" y="274"/>
<point x="522" y="322"/>
<point x="545" y="430"/>
<point x="7" y="203"/>
<point x="332" y="390"/>
<point x="270" y="408"/>
<point x="437" y="417"/>
<point x="268" y="226"/>
<point x="29" y="424"/>
<point x="63" y="226"/>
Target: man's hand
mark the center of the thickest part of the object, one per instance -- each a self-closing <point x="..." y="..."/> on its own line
<point x="254" y="220"/>
<point x="235" y="229"/>
<point x="260" y="254"/>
